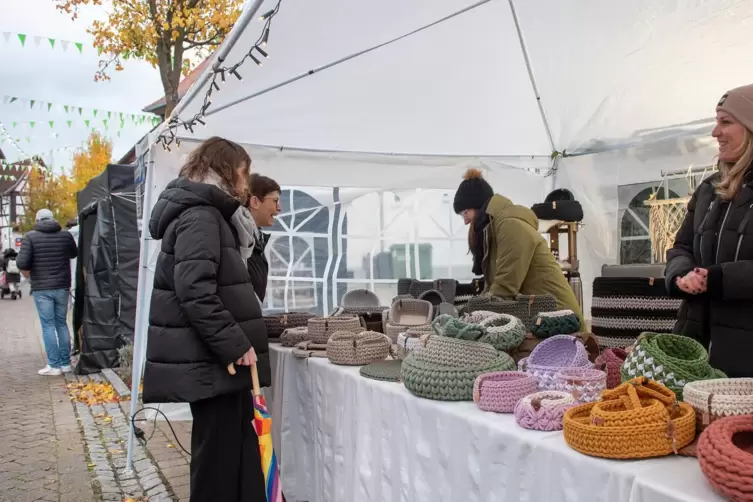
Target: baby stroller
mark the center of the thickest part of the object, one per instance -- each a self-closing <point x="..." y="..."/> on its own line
<point x="11" y="281"/>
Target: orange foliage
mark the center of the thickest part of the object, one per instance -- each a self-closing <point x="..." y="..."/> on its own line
<point x="93" y="393"/>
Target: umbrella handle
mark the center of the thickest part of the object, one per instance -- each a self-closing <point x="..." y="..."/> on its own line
<point x="254" y="377"/>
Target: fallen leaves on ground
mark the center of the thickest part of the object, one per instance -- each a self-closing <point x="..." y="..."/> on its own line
<point x="93" y="393"/>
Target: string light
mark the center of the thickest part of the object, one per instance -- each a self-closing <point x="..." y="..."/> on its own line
<point x="219" y="71"/>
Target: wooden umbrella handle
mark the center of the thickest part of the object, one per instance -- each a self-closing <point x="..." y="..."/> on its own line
<point x="231" y="369"/>
<point x="254" y="377"/>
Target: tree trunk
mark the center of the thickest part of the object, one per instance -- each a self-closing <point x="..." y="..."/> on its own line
<point x="170" y="80"/>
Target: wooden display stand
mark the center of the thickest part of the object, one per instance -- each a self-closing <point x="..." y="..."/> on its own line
<point x="555" y="228"/>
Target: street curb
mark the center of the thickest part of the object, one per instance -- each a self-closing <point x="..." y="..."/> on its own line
<point x="120" y="387"/>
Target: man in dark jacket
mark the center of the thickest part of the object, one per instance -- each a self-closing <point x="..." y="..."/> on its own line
<point x="45" y="257"/>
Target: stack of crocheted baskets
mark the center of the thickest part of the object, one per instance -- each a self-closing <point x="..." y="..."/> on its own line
<point x="526" y="308"/>
<point x="408" y="341"/>
<point x="560" y="322"/>
<point x="719" y="398"/>
<point x="639" y="419"/>
<point x="552" y="356"/>
<point x="446" y="368"/>
<point x="673" y="360"/>
<point x="357" y="349"/>
<point x="724" y="451"/>
<point x="624" y="307"/>
<point x="584" y="384"/>
<point x="407" y="313"/>
<point x="276" y="324"/>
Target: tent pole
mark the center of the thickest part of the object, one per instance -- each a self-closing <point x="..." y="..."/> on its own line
<point x="530" y="75"/>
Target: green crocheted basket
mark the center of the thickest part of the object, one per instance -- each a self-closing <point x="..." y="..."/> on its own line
<point x="673" y="360"/>
<point x="447" y="325"/>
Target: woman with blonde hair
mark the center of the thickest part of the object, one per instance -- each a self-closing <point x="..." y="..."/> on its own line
<point x="711" y="263"/>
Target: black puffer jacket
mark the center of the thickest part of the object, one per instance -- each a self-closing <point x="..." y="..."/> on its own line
<point x="47" y="252"/>
<point x="258" y="268"/>
<point x="718" y="236"/>
<point x="203" y="313"/>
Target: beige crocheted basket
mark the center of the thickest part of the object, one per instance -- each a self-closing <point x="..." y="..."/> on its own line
<point x="321" y="328"/>
<point x="394" y="330"/>
<point x="410" y="339"/>
<point x="719" y="398"/>
<point x="410" y="312"/>
<point x="357" y="349"/>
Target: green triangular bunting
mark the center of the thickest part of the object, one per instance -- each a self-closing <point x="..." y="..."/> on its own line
<point x="80" y="47"/>
<point x="86" y="122"/>
<point x="69" y="122"/>
<point x="31" y="101"/>
<point x="52" y="123"/>
<point x="52" y="42"/>
<point x="32" y="124"/>
<point x="15" y="124"/>
<point x="22" y="39"/>
<point x="66" y="108"/>
<point x="95" y="112"/>
<point x="49" y="106"/>
<point x="105" y="123"/>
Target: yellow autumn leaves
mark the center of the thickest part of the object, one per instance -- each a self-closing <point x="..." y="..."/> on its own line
<point x="92" y="393"/>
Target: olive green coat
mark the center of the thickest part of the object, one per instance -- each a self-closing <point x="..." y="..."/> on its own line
<point x="517" y="259"/>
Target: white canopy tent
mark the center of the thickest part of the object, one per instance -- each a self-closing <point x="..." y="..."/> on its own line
<point x="398" y="98"/>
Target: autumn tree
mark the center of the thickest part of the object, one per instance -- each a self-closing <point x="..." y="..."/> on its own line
<point x="161" y="32"/>
<point x="44" y="190"/>
<point x="91" y="160"/>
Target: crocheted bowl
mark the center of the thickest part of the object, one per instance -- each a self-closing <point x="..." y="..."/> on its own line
<point x="543" y="411"/>
<point x="393" y="331"/>
<point x="293" y="336"/>
<point x="410" y="340"/>
<point x="500" y="392"/>
<point x="673" y="360"/>
<point x="503" y="331"/>
<point x="726" y="456"/>
<point x="352" y="349"/>
<point x="553" y="355"/>
<point x="278" y="323"/>
<point x="360" y="298"/>
<point x="526" y="308"/>
<point x="719" y="398"/>
<point x="411" y="312"/>
<point x="321" y="328"/>
<point x="610" y="361"/>
<point x="560" y="322"/>
<point x="584" y="384"/>
<point x="453" y="327"/>
<point x="639" y="419"/>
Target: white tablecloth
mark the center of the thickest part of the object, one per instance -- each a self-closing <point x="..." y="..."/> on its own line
<point x="346" y="438"/>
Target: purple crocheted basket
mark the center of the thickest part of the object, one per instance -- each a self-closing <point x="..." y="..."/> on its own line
<point x="500" y="391"/>
<point x="543" y="411"/>
<point x="553" y="355"/>
<point x="584" y="384"/>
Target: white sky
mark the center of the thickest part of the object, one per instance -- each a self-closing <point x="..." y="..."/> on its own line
<point x="64" y="78"/>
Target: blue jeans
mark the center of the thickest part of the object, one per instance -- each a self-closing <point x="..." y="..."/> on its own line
<point x="52" y="307"/>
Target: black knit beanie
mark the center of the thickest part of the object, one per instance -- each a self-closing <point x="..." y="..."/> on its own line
<point x="473" y="191"/>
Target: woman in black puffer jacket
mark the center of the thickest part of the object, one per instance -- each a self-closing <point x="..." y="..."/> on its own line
<point x="711" y="263"/>
<point x="204" y="315"/>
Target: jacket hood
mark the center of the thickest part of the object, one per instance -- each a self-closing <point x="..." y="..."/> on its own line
<point x="501" y="207"/>
<point x="10" y="252"/>
<point x="182" y="194"/>
<point x="47" y="226"/>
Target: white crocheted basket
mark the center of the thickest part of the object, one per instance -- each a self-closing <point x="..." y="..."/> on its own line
<point x="719" y="398"/>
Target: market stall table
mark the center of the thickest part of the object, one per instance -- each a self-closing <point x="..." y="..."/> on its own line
<point x="344" y="437"/>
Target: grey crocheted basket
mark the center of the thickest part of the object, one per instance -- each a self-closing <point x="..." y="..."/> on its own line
<point x="447" y="288"/>
<point x="293" y="336"/>
<point x="321" y="328"/>
<point x="410" y="312"/>
<point x="360" y="298"/>
<point x="356" y="349"/>
<point x="277" y="323"/>
<point x="446" y="368"/>
<point x="525" y="308"/>
<point x="503" y="331"/>
<point x="384" y="371"/>
<point x="307" y="349"/>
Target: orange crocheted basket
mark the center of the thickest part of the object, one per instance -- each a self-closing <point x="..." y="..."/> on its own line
<point x="639" y="419"/>
<point x="725" y="452"/>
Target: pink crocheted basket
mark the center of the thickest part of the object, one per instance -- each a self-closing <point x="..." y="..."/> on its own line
<point x="500" y="391"/>
<point x="553" y="355"/>
<point x="584" y="384"/>
<point x="543" y="411"/>
<point x="610" y="361"/>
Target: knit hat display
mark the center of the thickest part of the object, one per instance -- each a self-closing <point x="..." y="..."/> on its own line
<point x="321" y="328"/>
<point x="624" y="307"/>
<point x="277" y="323"/>
<point x="739" y="103"/>
<point x="308" y="349"/>
<point x="611" y="361"/>
<point x="543" y="411"/>
<point x="357" y="349"/>
<point x="293" y="336"/>
<point x="503" y="331"/>
<point x="446" y="368"/>
<point x="500" y="391"/>
<point x="553" y="355"/>
<point x="384" y="371"/>
<point x="559" y="205"/>
<point x="673" y="360"/>
<point x="473" y="191"/>
<point x="559" y="322"/>
<point x="724" y="454"/>
<point x="525" y="307"/>
<point x="719" y="398"/>
<point x="584" y="384"/>
<point x="639" y="419"/>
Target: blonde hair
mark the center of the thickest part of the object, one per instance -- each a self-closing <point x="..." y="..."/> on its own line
<point x="733" y="173"/>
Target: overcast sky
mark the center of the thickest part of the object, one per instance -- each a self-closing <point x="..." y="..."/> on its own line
<point x="63" y="77"/>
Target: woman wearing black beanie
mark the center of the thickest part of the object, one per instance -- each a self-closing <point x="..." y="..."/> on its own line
<point x="506" y="245"/>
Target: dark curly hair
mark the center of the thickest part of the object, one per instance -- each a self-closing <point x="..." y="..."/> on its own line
<point x="260" y="186"/>
<point x="220" y="157"/>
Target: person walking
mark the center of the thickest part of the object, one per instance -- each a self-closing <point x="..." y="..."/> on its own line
<point x="45" y="258"/>
<point x="204" y="315"/>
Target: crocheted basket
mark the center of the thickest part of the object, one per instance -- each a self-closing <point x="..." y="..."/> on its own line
<point x="503" y="331"/>
<point x="321" y="328"/>
<point x="673" y="360"/>
<point x="611" y="361"/>
<point x="361" y="299"/>
<point x="553" y="355"/>
<point x="639" y="419"/>
<point x="410" y="312"/>
<point x="410" y="340"/>
<point x="719" y="398"/>
<point x="447" y="287"/>
<point x="307" y="349"/>
<point x="454" y="327"/>
<point x="384" y="371"/>
<point x="393" y="331"/>
<point x="584" y="384"/>
<point x="560" y="322"/>
<point x="358" y="349"/>
<point x="278" y="323"/>
<point x="500" y="392"/>
<point x="466" y="290"/>
<point x="726" y="457"/>
<point x="446" y="368"/>
<point x="526" y="308"/>
<point x="417" y="287"/>
<point x="293" y="336"/>
<point x="543" y="411"/>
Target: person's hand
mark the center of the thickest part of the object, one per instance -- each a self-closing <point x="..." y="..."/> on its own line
<point x="247" y="359"/>
<point x="694" y="282"/>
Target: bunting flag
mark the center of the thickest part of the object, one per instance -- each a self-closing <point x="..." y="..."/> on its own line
<point x="135" y="117"/>
<point x="89" y="123"/>
<point x="52" y="42"/>
<point x="22" y="39"/>
<point x="37" y="39"/>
